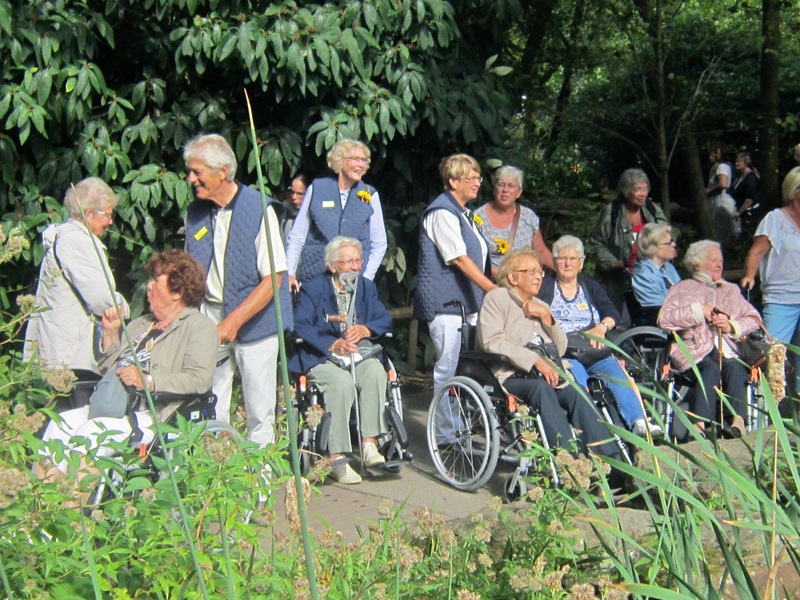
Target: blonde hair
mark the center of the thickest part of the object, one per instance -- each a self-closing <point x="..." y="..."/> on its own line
<point x="341" y="149"/>
<point x="511" y="262"/>
<point x="456" y="166"/>
<point x="791" y="183"/>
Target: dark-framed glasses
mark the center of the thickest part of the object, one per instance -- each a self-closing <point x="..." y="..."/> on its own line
<point x="472" y="179"/>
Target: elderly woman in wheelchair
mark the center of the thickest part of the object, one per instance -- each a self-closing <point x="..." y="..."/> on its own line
<point x="514" y="323"/>
<point x="338" y="316"/>
<point x="709" y="315"/>
<point x="176" y="347"/>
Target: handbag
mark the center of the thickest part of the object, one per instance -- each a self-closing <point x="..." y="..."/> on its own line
<point x="753" y="348"/>
<point x="579" y="348"/>
<point x="110" y="397"/>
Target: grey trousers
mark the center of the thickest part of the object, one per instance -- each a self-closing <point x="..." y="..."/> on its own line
<point x="336" y="384"/>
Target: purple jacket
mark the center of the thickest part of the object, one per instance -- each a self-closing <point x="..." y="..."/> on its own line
<point x="682" y="313"/>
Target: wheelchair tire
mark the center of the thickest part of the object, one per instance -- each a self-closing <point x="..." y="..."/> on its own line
<point x="514" y="488"/>
<point x="467" y="461"/>
<point x="647" y="348"/>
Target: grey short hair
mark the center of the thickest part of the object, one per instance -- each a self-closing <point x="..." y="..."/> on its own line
<point x="341" y="149"/>
<point x="91" y="193"/>
<point x="697" y="252"/>
<point x="568" y="241"/>
<point x="791" y="183"/>
<point x="509" y="172"/>
<point x="213" y="151"/>
<point x="629" y="179"/>
<point x="649" y="239"/>
<point x="336" y="244"/>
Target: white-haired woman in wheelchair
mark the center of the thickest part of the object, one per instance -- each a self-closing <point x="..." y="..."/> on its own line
<point x="175" y="345"/>
<point x="335" y="328"/>
<point x="514" y="323"/>
<point x="709" y="314"/>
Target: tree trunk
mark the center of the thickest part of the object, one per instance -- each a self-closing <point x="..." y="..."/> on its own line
<point x="769" y="96"/>
<point x="699" y="214"/>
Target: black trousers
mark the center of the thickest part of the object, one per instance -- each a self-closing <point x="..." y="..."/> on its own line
<point x="704" y="400"/>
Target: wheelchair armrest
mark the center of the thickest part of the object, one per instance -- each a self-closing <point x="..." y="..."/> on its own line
<point x="167" y="397"/>
<point x="485" y="356"/>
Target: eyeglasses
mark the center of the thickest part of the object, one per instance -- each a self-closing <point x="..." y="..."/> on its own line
<point x="472" y="179"/>
<point x="108" y="215"/>
<point x="565" y="260"/>
<point x="669" y="243"/>
<point x="535" y="273"/>
<point x="359" y="160"/>
<point x="354" y="262"/>
<point x="508" y="186"/>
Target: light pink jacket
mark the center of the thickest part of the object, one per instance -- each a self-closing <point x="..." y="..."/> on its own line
<point x="682" y="313"/>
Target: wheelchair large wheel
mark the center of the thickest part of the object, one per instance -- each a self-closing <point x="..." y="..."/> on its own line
<point x="646" y="350"/>
<point x="463" y="436"/>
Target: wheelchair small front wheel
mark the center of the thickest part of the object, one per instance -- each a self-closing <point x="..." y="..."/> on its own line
<point x="514" y="488"/>
<point x="463" y="436"/>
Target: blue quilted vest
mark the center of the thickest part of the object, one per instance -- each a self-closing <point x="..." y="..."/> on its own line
<point x="438" y="282"/>
<point x="241" y="258"/>
<point x="326" y="220"/>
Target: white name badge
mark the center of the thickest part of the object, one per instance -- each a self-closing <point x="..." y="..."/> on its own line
<point x="328" y="204"/>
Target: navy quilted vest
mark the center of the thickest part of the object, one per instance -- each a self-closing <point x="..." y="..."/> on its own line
<point x="438" y="282"/>
<point x="241" y="270"/>
<point x="326" y="220"/>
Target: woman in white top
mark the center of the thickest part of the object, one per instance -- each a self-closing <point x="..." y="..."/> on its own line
<point x="720" y="178"/>
<point x="500" y="214"/>
<point x="775" y="253"/>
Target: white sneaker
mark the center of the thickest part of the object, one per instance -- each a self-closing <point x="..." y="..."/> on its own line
<point x="371" y="456"/>
<point x="342" y="472"/>
<point x="640" y="428"/>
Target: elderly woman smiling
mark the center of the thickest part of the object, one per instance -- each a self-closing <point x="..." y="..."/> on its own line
<point x="579" y="304"/>
<point x="653" y="274"/>
<point x="341" y="205"/>
<point x="507" y="226"/>
<point x="513" y="322"/>
<point x="709" y="314"/>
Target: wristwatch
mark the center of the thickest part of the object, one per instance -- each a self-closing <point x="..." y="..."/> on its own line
<point x="151" y="385"/>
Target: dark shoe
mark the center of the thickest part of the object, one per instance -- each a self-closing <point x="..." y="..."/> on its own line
<point x="730" y="433"/>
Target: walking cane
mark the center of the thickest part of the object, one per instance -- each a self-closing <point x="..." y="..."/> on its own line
<point x="349" y="282"/>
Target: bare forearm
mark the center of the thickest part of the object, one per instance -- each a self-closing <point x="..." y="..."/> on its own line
<point x="467" y="266"/>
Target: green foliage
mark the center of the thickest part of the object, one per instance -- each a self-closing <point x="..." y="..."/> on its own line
<point x="115" y="89"/>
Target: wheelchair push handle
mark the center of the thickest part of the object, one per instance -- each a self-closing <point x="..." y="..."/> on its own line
<point x="460" y="305"/>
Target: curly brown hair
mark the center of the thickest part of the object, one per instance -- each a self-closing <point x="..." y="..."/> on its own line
<point x="185" y="276"/>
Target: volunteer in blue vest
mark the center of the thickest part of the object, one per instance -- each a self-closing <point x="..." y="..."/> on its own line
<point x="341" y="205"/>
<point x="225" y="232"/>
<point x="453" y="265"/>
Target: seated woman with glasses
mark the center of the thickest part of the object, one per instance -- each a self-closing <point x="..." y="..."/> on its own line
<point x="321" y="319"/>
<point x="653" y="274"/>
<point x="508" y="226"/>
<point x="514" y="323"/>
<point x="341" y="205"/>
<point x="579" y="304"/>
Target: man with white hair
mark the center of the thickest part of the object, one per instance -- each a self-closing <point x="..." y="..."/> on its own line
<point x="225" y="232"/>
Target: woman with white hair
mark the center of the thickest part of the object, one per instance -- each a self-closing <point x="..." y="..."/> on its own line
<point x="775" y="254"/>
<point x="710" y="314"/>
<point x="327" y="339"/>
<point x="613" y="238"/>
<point x="579" y="304"/>
<point x="340" y="205"/>
<point x="74" y="280"/>
<point x="508" y="226"/>
<point x="653" y="274"/>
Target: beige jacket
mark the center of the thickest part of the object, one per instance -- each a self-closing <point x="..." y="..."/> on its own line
<point x="183" y="359"/>
<point x="504" y="329"/>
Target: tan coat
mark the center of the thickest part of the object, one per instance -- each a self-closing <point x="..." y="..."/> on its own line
<point x="183" y="359"/>
<point x="682" y="313"/>
<point x="504" y="329"/>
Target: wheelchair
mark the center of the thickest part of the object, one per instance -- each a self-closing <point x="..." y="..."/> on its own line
<point x="315" y="422"/>
<point x="646" y="352"/>
<point x="491" y="425"/>
<point x="193" y="408"/>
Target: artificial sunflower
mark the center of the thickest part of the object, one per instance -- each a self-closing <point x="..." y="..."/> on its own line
<point x="365" y="196"/>
<point x="478" y="220"/>
<point x="502" y="245"/>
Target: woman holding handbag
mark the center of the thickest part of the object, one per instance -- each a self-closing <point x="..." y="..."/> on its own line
<point x="508" y="226"/>
<point x="580" y="305"/>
